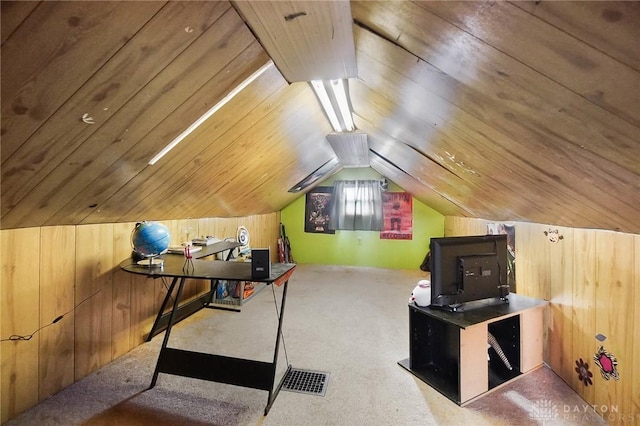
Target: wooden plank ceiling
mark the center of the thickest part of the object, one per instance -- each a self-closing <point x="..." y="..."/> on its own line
<point x="524" y="111"/>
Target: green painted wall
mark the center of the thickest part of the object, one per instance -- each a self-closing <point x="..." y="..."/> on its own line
<point x="361" y="248"/>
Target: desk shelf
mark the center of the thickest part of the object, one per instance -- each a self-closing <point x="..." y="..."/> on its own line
<point x="235" y="302"/>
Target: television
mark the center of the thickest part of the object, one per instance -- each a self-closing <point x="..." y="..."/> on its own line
<point x="468" y="269"/>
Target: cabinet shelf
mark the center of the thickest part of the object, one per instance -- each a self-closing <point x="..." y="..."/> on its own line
<point x="451" y="352"/>
<point x="507" y="334"/>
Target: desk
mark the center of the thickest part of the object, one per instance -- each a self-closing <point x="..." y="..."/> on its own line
<point x="191" y="307"/>
<point x="448" y="350"/>
<point x="235" y="371"/>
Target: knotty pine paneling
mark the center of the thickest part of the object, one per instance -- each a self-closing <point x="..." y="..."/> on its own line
<point x="540" y="133"/>
<point x="57" y="278"/>
<point x="220" y="150"/>
<point x="591" y="279"/>
<point x="269" y="223"/>
<point x="635" y="373"/>
<point x="501" y="27"/>
<point x="146" y="298"/>
<point x="461" y="159"/>
<point x="614" y="311"/>
<point x="610" y="27"/>
<point x="19" y="298"/>
<point x="188" y="62"/>
<point x="93" y="297"/>
<point x="134" y="109"/>
<point x="74" y="271"/>
<point x="455" y="226"/>
<point x="533" y="97"/>
<point x="13" y="13"/>
<point x="123" y="282"/>
<point x="287" y="150"/>
<point x="67" y="56"/>
<point x="560" y="294"/>
<point x="531" y="279"/>
<point x="145" y="190"/>
<point x="583" y="307"/>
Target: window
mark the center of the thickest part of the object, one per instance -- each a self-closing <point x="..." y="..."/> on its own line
<point x="356" y="205"/>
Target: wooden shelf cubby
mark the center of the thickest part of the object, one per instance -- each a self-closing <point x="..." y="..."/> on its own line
<point x="450" y="350"/>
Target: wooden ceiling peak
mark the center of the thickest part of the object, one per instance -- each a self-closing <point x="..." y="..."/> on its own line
<point x="307" y="40"/>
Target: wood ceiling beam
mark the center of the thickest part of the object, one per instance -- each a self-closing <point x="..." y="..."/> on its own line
<point x="307" y="40"/>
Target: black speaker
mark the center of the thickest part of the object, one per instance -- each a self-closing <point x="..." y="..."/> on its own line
<point x="260" y="263"/>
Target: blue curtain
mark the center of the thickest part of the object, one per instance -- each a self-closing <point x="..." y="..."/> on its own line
<point x="356" y="205"/>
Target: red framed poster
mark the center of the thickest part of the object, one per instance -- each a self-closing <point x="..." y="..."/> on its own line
<point x="397" y="210"/>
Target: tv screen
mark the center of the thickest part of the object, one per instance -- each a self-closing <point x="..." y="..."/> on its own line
<point x="467" y="269"/>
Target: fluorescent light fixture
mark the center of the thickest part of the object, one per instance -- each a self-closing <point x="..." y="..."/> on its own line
<point x="212" y="111"/>
<point x="341" y="97"/>
<point x="321" y="92"/>
<point x="327" y="169"/>
<point x="352" y="149"/>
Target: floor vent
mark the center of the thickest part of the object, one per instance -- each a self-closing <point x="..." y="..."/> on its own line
<point x="304" y="381"/>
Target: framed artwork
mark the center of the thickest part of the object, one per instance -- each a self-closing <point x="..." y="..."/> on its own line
<point x="397" y="210"/>
<point x="317" y="209"/>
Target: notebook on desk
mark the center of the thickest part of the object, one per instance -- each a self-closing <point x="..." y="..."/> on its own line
<point x="205" y="241"/>
<point x="180" y="249"/>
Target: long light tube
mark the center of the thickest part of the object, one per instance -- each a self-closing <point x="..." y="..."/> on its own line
<point x="328" y="167"/>
<point x="341" y="97"/>
<point x="318" y="86"/>
<point x="212" y="111"/>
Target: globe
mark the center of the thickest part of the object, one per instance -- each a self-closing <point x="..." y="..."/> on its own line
<point x="150" y="238"/>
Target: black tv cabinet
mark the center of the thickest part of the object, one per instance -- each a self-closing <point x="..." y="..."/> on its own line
<point x="450" y="350"/>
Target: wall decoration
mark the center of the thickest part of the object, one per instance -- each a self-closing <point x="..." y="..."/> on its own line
<point x="510" y="231"/>
<point x="317" y="208"/>
<point x="553" y="235"/>
<point x="607" y="363"/>
<point x="601" y="337"/>
<point x="397" y="211"/>
<point x="584" y="375"/>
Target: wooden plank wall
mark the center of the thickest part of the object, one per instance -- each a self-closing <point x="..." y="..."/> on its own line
<point x="592" y="280"/>
<point x="72" y="271"/>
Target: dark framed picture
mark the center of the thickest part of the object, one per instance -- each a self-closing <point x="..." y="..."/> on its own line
<point x="317" y="208"/>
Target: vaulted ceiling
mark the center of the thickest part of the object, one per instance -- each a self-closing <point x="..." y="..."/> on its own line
<point x="524" y="111"/>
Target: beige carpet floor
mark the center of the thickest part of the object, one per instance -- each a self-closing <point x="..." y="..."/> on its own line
<point x="349" y="322"/>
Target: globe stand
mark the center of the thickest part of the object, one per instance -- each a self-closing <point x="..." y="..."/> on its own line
<point x="152" y="261"/>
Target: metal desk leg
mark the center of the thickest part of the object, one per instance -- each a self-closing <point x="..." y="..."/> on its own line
<point x="168" y="331"/>
<point x="162" y="308"/>
<point x="213" y="286"/>
<point x="273" y="392"/>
